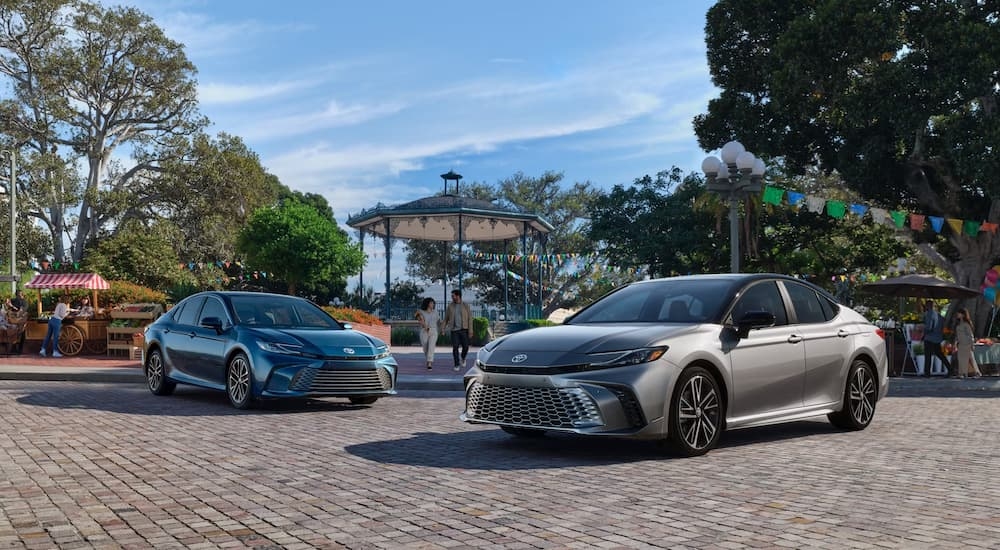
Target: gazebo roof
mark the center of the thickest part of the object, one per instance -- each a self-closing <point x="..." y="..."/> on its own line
<point x="439" y="219"/>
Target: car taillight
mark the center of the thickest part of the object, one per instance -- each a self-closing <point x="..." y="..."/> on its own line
<point x="881" y="333"/>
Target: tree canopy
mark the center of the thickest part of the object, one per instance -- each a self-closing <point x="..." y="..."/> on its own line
<point x="300" y="245"/>
<point x="899" y="97"/>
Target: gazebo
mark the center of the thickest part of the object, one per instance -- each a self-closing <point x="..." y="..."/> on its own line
<point x="449" y="218"/>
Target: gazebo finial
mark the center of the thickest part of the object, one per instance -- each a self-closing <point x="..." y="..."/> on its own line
<point x="451" y="175"/>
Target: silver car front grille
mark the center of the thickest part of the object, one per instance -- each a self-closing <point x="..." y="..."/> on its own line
<point x="341" y="381"/>
<point x="541" y="407"/>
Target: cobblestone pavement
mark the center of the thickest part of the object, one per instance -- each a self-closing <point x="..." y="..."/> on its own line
<point x="87" y="465"/>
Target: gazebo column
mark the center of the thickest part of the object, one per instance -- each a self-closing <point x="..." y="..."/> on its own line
<point x="460" y="235"/>
<point x="388" y="256"/>
<point x="506" y="280"/>
<point x="541" y="260"/>
<point x="361" y="272"/>
<point x="524" y="266"/>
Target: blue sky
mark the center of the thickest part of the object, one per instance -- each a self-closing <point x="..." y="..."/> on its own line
<point x="368" y="102"/>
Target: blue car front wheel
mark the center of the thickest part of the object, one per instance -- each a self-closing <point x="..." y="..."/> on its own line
<point x="239" y="382"/>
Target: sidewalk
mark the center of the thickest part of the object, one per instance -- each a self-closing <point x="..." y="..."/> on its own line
<point x="413" y="375"/>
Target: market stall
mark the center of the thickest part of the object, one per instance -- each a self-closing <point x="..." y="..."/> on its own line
<point x="77" y="333"/>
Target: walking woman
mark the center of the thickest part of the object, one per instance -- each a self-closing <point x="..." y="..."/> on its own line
<point x="964" y="338"/>
<point x="428" y="318"/>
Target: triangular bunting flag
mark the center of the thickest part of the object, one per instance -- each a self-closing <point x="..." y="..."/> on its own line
<point x="836" y="209"/>
<point x="936" y="223"/>
<point x="955" y="225"/>
<point x="859" y="210"/>
<point x="899" y="218"/>
<point x="970" y="228"/>
<point x="917" y="222"/>
<point x="815" y="204"/>
<point x="772" y="195"/>
<point x="794" y="198"/>
<point x="879" y="215"/>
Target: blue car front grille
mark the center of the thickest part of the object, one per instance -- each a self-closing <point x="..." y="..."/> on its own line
<point x="342" y="381"/>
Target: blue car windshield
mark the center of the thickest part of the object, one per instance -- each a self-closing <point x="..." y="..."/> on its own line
<point x="666" y="301"/>
<point x="281" y="312"/>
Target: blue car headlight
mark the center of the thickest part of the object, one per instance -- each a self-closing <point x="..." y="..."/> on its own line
<point x="631" y="357"/>
<point x="278" y="347"/>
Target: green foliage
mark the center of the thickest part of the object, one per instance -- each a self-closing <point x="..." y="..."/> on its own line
<point x="144" y="255"/>
<point x="179" y="291"/>
<point x="404" y="336"/>
<point x="653" y="223"/>
<point x="899" y="98"/>
<point x="297" y="244"/>
<point x="535" y="323"/>
<point x="480" y="331"/>
<point x="121" y="292"/>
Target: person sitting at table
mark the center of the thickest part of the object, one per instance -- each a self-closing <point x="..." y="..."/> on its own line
<point x="85" y="311"/>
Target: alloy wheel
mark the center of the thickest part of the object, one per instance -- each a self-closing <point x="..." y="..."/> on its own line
<point x="699" y="412"/>
<point x="862" y="396"/>
<point x="238" y="381"/>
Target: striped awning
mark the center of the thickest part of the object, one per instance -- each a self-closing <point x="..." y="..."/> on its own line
<point x="91" y="281"/>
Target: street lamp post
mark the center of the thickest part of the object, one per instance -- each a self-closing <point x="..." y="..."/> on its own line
<point x="734" y="177"/>
<point x="12" y="191"/>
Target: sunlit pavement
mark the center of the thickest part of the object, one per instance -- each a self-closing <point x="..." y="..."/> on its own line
<point x="91" y="465"/>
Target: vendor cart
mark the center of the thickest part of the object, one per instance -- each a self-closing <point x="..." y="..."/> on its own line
<point x="77" y="334"/>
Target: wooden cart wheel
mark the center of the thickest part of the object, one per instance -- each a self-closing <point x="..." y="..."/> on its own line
<point x="70" y="340"/>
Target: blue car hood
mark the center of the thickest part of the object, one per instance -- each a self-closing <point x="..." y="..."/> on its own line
<point x="338" y="343"/>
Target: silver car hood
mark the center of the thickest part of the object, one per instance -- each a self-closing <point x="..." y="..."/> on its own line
<point x="570" y="344"/>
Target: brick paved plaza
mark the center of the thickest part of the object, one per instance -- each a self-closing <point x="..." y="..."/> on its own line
<point x="86" y="465"/>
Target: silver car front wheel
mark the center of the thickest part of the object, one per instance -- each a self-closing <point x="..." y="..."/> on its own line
<point x="239" y="382"/>
<point x="696" y="413"/>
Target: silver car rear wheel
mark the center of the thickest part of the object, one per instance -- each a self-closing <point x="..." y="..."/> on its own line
<point x="239" y="382"/>
<point x="696" y="413"/>
<point x="860" y="397"/>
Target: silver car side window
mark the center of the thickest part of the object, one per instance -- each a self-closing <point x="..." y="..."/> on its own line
<point x="761" y="296"/>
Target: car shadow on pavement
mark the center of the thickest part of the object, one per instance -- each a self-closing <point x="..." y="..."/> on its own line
<point x="492" y="449"/>
<point x="185" y="401"/>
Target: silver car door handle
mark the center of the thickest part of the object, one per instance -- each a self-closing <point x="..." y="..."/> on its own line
<point x="794" y="339"/>
<point x="843" y="333"/>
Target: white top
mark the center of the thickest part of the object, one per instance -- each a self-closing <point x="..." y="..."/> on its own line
<point x="428" y="319"/>
<point x="62" y="310"/>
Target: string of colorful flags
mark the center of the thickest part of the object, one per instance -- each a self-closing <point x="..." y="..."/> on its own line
<point x="899" y="218"/>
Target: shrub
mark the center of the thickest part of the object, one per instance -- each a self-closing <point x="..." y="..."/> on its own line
<point x="351" y="315"/>
<point x="404" y="336"/>
<point x="480" y="331"/>
<point x="535" y="323"/>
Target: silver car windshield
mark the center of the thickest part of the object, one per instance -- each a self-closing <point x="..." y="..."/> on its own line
<point x="667" y="301"/>
<point x="281" y="312"/>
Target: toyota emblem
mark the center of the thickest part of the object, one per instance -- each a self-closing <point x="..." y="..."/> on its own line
<point x="519" y="358"/>
<point x="349" y="351"/>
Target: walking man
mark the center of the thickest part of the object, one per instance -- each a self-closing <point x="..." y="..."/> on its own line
<point x="933" y="335"/>
<point x="458" y="319"/>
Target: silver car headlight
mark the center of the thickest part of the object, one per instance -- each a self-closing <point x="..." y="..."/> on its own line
<point x="631" y="357"/>
<point x="277" y="347"/>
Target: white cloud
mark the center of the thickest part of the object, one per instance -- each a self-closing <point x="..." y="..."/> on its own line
<point x="238" y="93"/>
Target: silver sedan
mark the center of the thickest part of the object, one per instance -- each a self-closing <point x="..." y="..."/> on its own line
<point x="683" y="359"/>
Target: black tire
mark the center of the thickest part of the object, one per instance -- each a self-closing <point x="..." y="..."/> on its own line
<point x="368" y="400"/>
<point x="860" y="396"/>
<point x="156" y="375"/>
<point x="523" y="432"/>
<point x="696" y="413"/>
<point x="239" y="382"/>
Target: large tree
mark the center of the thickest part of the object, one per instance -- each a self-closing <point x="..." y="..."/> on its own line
<point x="899" y="97"/>
<point x="89" y="82"/>
<point x="299" y="245"/>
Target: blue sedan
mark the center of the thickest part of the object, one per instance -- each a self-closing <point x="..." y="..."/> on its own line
<point x="256" y="345"/>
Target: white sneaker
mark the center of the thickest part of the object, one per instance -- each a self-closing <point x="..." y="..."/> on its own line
<point x="56" y="354"/>
<point x="42" y="353"/>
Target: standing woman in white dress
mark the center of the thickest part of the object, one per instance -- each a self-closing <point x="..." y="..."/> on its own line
<point x="964" y="339"/>
<point x="428" y="318"/>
